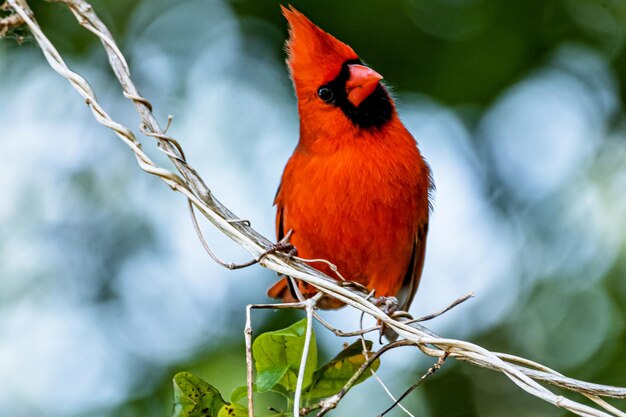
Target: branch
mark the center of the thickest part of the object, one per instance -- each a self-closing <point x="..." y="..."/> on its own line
<point x="10" y="22"/>
<point x="520" y="371"/>
<point x="308" y="306"/>
<point x="437" y="366"/>
<point x="330" y="403"/>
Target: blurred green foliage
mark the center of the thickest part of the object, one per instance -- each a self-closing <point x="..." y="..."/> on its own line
<point x="460" y="51"/>
<point x="60" y="25"/>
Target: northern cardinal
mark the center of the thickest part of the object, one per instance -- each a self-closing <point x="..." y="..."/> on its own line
<point x="356" y="189"/>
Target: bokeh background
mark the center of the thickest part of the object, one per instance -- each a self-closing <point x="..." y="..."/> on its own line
<point x="105" y="292"/>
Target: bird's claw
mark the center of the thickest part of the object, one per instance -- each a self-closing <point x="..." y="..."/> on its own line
<point x="389" y="305"/>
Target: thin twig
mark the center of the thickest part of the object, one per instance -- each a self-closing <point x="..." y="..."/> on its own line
<point x="445" y="310"/>
<point x="248" y="340"/>
<point x="374" y="373"/>
<point x="390" y="394"/>
<point x="428" y="373"/>
<point x="232" y="266"/>
<point x="341" y="333"/>
<point x="10" y="22"/>
<point x="309" y="305"/>
<point x="206" y="246"/>
<point x="331" y="265"/>
<point x="330" y="403"/>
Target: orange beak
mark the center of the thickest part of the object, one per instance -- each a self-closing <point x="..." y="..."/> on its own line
<point x="362" y="82"/>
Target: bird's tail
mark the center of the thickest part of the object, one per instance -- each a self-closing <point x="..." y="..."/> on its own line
<point x="281" y="290"/>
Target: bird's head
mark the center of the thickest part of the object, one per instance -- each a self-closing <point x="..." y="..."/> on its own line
<point x="330" y="80"/>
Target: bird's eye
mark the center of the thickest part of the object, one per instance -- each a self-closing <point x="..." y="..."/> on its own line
<point x="325" y="94"/>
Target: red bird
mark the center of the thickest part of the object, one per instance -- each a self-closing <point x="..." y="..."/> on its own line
<point x="356" y="189"/>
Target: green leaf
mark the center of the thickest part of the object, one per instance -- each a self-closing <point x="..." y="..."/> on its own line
<point x="277" y="357"/>
<point x="233" y="410"/>
<point x="239" y="393"/>
<point x="279" y="389"/>
<point x="268" y="378"/>
<point x="330" y="378"/>
<point x="194" y="397"/>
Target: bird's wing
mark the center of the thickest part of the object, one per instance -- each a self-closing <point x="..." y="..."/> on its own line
<point x="414" y="271"/>
<point x="283" y="289"/>
<point x="280" y="230"/>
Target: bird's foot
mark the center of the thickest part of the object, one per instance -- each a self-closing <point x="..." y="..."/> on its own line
<point x="389" y="305"/>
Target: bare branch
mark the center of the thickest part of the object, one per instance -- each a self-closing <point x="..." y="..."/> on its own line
<point x="330" y="403"/>
<point x="249" y="379"/>
<point x="428" y="373"/>
<point x="445" y="310"/>
<point x="309" y="305"/>
<point x="306" y="305"/>
<point x="375" y="375"/>
<point x="10" y="22"/>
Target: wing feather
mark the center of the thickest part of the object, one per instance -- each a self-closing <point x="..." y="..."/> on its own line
<point x="414" y="272"/>
<point x="283" y="289"/>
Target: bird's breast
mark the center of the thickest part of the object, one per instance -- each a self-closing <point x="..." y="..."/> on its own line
<point x="358" y="207"/>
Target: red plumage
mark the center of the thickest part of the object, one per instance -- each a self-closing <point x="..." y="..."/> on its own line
<point x="356" y="189"/>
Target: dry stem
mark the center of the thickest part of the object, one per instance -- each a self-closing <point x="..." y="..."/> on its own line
<point x="306" y="305"/>
<point x="9" y="22"/>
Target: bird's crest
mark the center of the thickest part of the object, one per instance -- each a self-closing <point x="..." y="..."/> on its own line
<point x="314" y="57"/>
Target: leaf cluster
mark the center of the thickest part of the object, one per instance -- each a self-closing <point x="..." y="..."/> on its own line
<point x="277" y="356"/>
